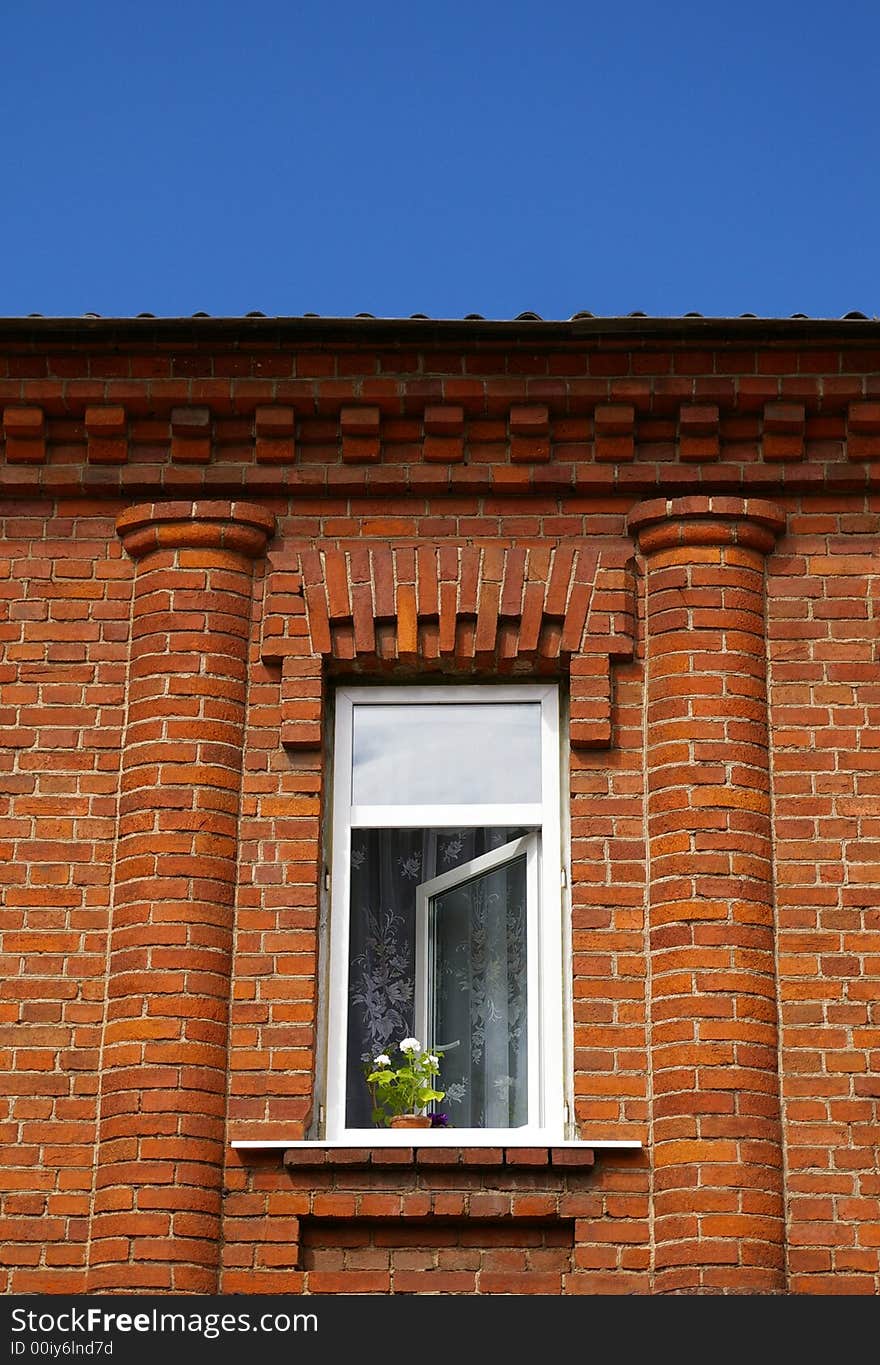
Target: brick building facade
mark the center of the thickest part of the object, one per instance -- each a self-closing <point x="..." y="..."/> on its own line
<point x="210" y="529"/>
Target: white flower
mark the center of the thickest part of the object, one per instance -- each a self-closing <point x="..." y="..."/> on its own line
<point x="382" y="1060"/>
<point x="433" y="1059"/>
<point x="410" y="1045"/>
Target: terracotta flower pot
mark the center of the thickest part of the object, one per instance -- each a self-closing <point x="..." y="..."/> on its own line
<point x="411" y="1121"/>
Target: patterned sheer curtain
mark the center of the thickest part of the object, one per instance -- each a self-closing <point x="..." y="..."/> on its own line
<point x="479" y="969"/>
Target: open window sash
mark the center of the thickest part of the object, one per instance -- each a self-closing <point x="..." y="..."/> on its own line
<point x="476" y="943"/>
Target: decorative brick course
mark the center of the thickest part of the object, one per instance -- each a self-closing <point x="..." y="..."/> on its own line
<point x="24" y="431"/>
<point x="106" y="431"/>
<point x="191" y="435"/>
<point x="274" y="429"/>
<point x="784" y="427"/>
<point x="490" y="611"/>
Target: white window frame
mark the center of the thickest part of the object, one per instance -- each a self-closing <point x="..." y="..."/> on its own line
<point x="547" y="1107"/>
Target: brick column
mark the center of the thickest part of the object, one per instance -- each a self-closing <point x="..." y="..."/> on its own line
<point x="717" y="1143"/>
<point x="156" y="1219"/>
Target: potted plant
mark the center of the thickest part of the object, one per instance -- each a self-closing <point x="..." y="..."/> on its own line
<point x="401" y="1092"/>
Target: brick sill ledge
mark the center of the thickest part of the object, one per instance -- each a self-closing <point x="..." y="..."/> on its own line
<point x="383" y="1152"/>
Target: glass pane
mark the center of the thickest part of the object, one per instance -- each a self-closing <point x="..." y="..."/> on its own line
<point x="386" y="867"/>
<point x="446" y="754"/>
<point x="478" y="935"/>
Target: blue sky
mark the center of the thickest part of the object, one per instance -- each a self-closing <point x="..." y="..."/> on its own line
<point x="446" y="158"/>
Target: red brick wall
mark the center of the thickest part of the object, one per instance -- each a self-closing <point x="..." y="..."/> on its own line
<point x="825" y="708"/>
<point x="506" y="442"/>
<point x="66" y="604"/>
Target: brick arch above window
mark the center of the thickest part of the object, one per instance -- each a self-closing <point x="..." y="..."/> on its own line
<point x="460" y="611"/>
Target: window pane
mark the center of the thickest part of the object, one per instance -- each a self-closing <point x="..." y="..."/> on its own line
<point x="387" y="865"/>
<point x="478" y="934"/>
<point x="446" y="754"/>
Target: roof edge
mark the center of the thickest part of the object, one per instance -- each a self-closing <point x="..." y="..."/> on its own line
<point x="366" y="329"/>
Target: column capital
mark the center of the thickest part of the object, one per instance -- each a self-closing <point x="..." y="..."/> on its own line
<point x="241" y="527"/>
<point x="671" y="523"/>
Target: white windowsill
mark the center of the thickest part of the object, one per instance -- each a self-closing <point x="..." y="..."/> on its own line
<point x="415" y="1137"/>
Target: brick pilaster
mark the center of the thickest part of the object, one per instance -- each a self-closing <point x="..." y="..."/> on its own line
<point x="156" y="1218"/>
<point x="717" y="1146"/>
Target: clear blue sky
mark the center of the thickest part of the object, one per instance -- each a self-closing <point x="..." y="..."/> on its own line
<point x="446" y="158"/>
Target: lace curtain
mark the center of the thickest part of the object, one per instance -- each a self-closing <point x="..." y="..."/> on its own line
<point x="479" y="961"/>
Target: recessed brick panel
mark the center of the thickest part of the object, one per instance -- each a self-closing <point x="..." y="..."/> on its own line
<point x="440" y="1256"/>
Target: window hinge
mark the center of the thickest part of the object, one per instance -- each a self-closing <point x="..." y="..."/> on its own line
<point x="563" y="879"/>
<point x="326" y="879"/>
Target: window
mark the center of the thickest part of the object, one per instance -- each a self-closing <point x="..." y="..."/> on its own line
<point x="446" y="915"/>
